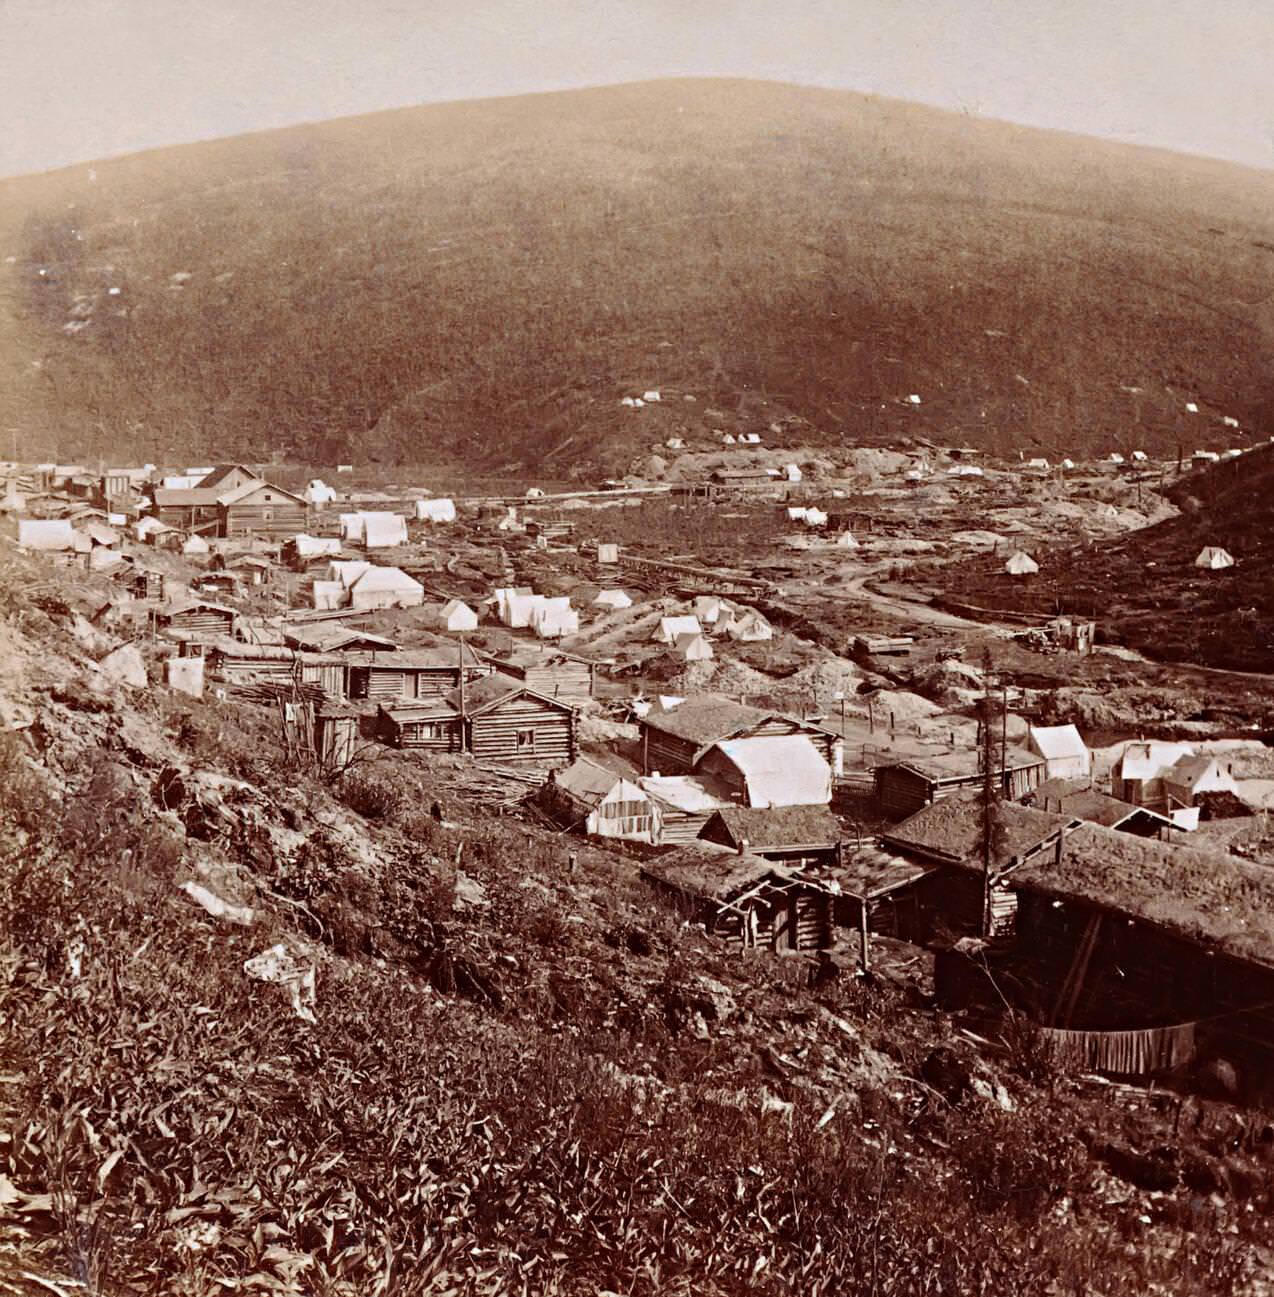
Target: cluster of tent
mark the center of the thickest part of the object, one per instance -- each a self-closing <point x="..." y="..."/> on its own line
<point x="520" y="608"/>
<point x="374" y="529"/>
<point x="356" y="583"/>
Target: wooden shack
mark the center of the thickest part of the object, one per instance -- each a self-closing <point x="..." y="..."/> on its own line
<point x="196" y="617"/>
<point x="505" y="721"/>
<point x="963" y="897"/>
<point x="336" y="730"/>
<point x="792" y="834"/>
<point x="675" y="741"/>
<point x="413" y="673"/>
<point x="746" y="900"/>
<point x="549" y="671"/>
<point x="685" y="803"/>
<point x="429" y="724"/>
<point x="591" y="799"/>
<point x="240" y="663"/>
<point x="906" y="787"/>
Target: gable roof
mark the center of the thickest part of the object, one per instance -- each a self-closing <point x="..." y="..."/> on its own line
<point x="190" y="497"/>
<point x="780" y="827"/>
<point x="488" y="693"/>
<point x="176" y="606"/>
<point x="331" y="638"/>
<point x="1147" y="758"/>
<point x="431" y="658"/>
<point x="1077" y="801"/>
<point x="948" y="831"/>
<point x="689" y="794"/>
<point x="1055" y="742"/>
<point x="240" y="494"/>
<point x="1189" y="770"/>
<point x="963" y="763"/>
<point x="384" y="578"/>
<point x="589" y="781"/>
<point x="223" y="471"/>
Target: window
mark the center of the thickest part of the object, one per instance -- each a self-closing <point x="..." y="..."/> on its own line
<point x="267" y="514"/>
<point x="526" y="740"/>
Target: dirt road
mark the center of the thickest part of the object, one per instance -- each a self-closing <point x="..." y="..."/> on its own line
<point x="914" y="610"/>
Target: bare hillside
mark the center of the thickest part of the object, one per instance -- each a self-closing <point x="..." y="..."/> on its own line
<point x="486" y="280"/>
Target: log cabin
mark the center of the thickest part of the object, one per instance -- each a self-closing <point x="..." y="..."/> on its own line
<point x="796" y="835"/>
<point x="196" y="617"/>
<point x="746" y="900"/>
<point x="906" y="787"/>
<point x="238" y="663"/>
<point x="413" y="673"/>
<point x="549" y="671"/>
<point x="262" y="509"/>
<point x="589" y="798"/>
<point x="685" y="804"/>
<point x="675" y="741"/>
<point x="428" y="724"/>
<point x="505" y="721"/>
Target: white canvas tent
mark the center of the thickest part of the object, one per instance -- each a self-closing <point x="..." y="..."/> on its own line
<point x="750" y="628"/>
<point x="792" y="472"/>
<point x="318" y="492"/>
<point x="328" y="594"/>
<point x="195" y="545"/>
<point x="670" y="627"/>
<point x="455" y="615"/>
<point x="693" y="648"/>
<point x="1021" y="564"/>
<point x="386" y="587"/>
<point x="553" y="618"/>
<point x="1214" y="558"/>
<point x="383" y="530"/>
<point x="315" y="546"/>
<point x="612" y="599"/>
<point x="440" y="510"/>
<point x="347" y="570"/>
<point x="1066" y="755"/>
<point x="780" y="770"/>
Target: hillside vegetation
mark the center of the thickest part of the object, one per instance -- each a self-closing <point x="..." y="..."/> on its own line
<point x="1145" y="586"/>
<point x="483" y="281"/>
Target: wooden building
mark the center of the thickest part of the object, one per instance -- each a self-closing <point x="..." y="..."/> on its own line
<point x="413" y="673"/>
<point x="1078" y="801"/>
<point x="428" y="724"/>
<point x="336" y="730"/>
<point x="962" y="897"/>
<point x="676" y="741"/>
<point x="196" y="617"/>
<point x="505" y="721"/>
<point x="240" y="663"/>
<point x="906" y="787"/>
<point x="685" y="803"/>
<point x="591" y="799"/>
<point x="746" y="900"/>
<point x="793" y="834"/>
<point x="328" y="637"/>
<point x="261" y="509"/>
<point x="548" y="671"/>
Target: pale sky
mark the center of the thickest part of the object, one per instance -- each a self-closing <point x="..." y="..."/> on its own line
<point x="86" y="79"/>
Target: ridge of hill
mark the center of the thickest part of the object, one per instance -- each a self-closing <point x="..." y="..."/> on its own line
<point x="1144" y="585"/>
<point x="483" y="281"/>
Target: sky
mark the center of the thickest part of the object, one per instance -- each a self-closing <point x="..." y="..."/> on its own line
<point x="88" y="79"/>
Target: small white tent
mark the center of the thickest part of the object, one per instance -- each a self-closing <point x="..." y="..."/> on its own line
<point x="693" y="648"/>
<point x="328" y="594"/>
<point x="750" y="628"/>
<point x="315" y="546"/>
<point x="670" y="627"/>
<point x="1214" y="558"/>
<point x="846" y="540"/>
<point x="195" y="545"/>
<point x="347" y="571"/>
<point x="612" y="599"/>
<point x="553" y="618"/>
<point x="455" y="615"/>
<point x="1021" y="564"/>
<point x="318" y="492"/>
<point x="792" y="472"/>
<point x="1066" y="756"/>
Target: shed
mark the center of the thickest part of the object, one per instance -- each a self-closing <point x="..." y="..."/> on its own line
<point x="413" y="673"/>
<point x="1066" y="755"/>
<point x="748" y="901"/>
<point x="693" y="648"/>
<point x="685" y="804"/>
<point x="670" y="627"/>
<point x="1021" y="564"/>
<point x="612" y="600"/>
<point x="386" y="587"/>
<point x="771" y="770"/>
<point x="505" y="721"/>
<point x="608" y="553"/>
<point x="1078" y="801"/>
<point x="549" y="671"/>
<point x="1213" y="557"/>
<point x="336" y="733"/>
<point x="49" y="534"/>
<point x="431" y="724"/>
<point x="903" y="788"/>
<point x="588" y="796"/>
<point x="1189" y="778"/>
<point x="198" y="617"/>
<point x="675" y="741"/>
<point x="788" y="833"/>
